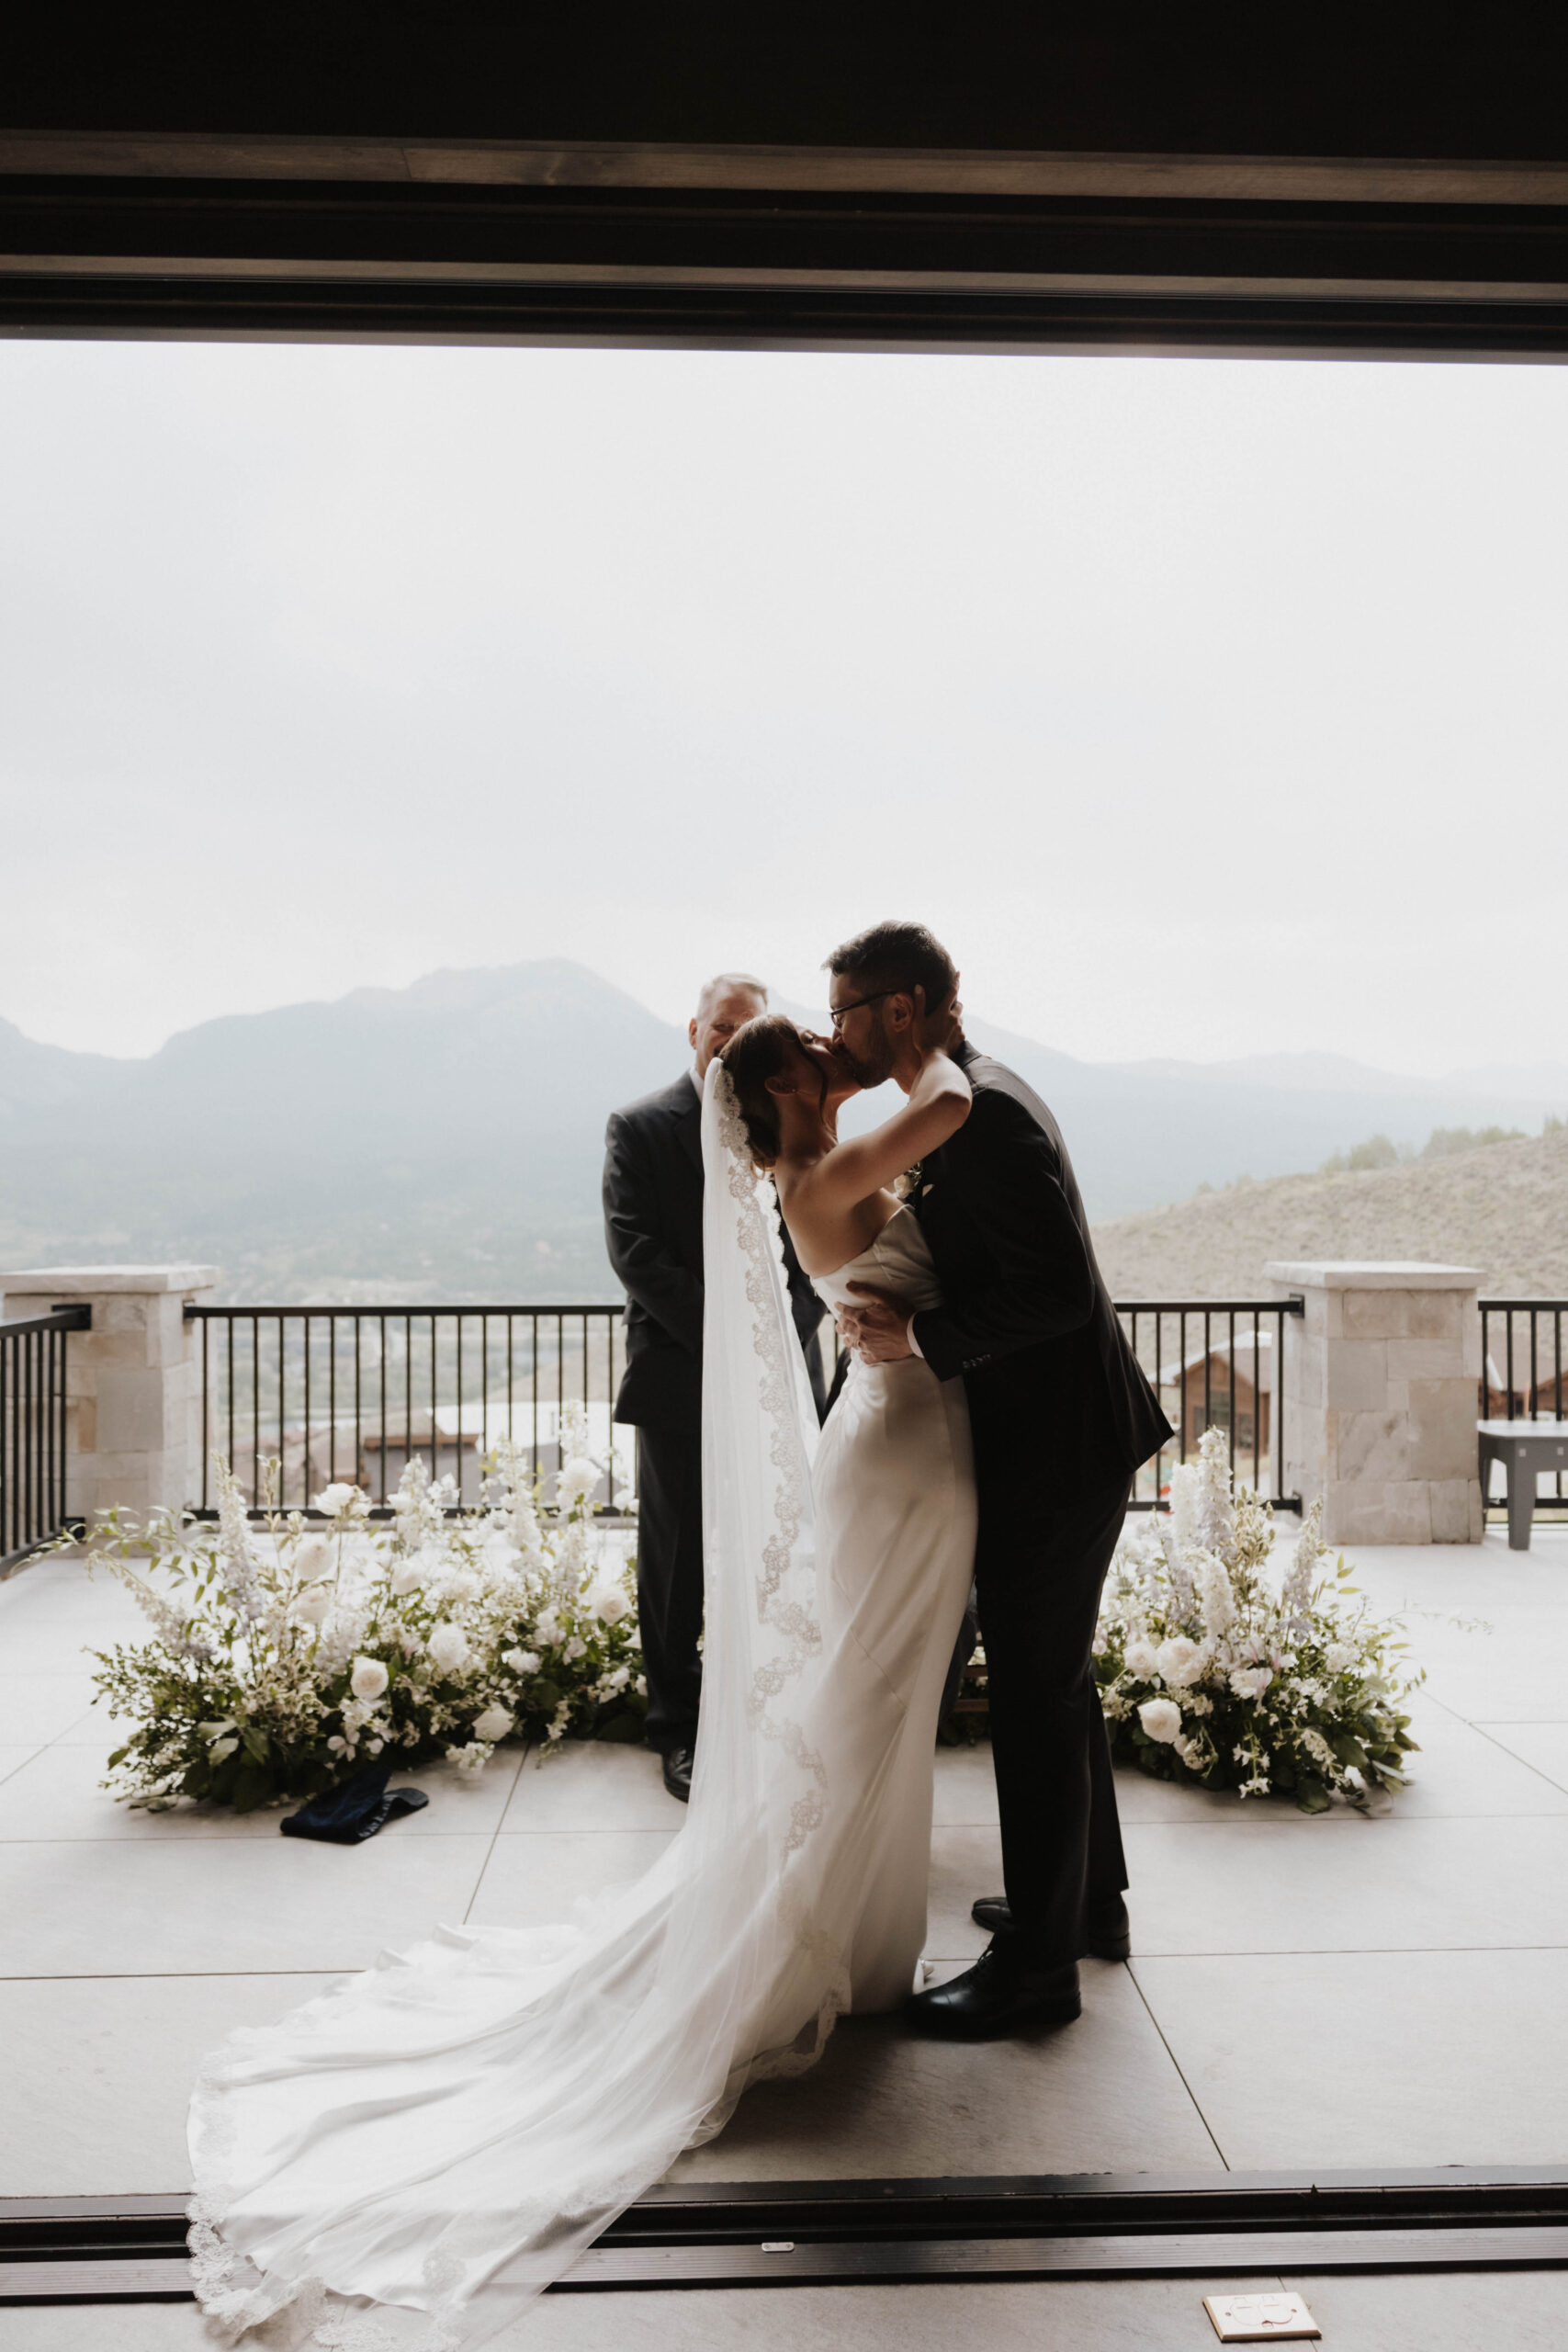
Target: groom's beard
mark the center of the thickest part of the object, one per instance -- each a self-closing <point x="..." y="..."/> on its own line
<point x="865" y="1075"/>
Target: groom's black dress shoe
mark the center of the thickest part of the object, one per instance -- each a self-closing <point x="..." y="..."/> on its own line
<point x="677" y="1773"/>
<point x="1000" y="1995"/>
<point x="1108" y="1933"/>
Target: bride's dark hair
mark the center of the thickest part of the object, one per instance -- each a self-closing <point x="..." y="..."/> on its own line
<point x="756" y="1053"/>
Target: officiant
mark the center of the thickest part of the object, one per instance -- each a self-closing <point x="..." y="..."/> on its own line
<point x="653" y="1230"/>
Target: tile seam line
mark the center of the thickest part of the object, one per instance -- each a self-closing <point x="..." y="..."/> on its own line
<point x="1176" y="2062"/>
<point x="1503" y="1749"/>
<point x="489" y="1849"/>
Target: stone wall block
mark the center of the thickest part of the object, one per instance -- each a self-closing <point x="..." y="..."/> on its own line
<point x="1442" y="1421"/>
<point x="1457" y="1516"/>
<point x="1428" y="1359"/>
<point x="1356" y="1375"/>
<point x="1373" y="1446"/>
<point x="1306" y="1367"/>
<point x="1378" y="1510"/>
<point x="131" y="1411"/>
<point x="1373" y="1314"/>
<point x="167" y="1331"/>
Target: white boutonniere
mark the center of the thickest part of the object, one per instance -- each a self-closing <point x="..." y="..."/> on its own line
<point x="905" y="1187"/>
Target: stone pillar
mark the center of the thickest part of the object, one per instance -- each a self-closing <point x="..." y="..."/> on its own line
<point x="133" y="1389"/>
<point x="1379" y="1387"/>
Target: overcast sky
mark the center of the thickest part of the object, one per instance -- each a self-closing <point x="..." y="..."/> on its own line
<point x="1204" y="708"/>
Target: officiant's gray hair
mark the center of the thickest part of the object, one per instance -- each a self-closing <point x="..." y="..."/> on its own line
<point x="722" y="983"/>
<point x="902" y="955"/>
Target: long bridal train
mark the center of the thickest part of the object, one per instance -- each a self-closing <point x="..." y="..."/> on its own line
<point x="405" y="2161"/>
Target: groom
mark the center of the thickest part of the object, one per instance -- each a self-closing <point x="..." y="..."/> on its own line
<point x="1062" y="1417"/>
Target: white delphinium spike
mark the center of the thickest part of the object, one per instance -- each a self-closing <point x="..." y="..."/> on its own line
<point x="172" y="1629"/>
<point x="1184" y="1504"/>
<point x="1215" y="1598"/>
<point x="241" y="1576"/>
<point x="1176" y="1565"/>
<point x="1215" y="1511"/>
<point x="1300" y="1577"/>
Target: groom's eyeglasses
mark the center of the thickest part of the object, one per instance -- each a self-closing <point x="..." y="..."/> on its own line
<point x="837" y="1017"/>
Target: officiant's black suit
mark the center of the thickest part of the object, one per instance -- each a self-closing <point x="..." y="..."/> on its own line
<point x="653" y="1227"/>
<point x="1062" y="1416"/>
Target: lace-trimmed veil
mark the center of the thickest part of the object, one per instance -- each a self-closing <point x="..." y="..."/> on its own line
<point x="410" y="2157"/>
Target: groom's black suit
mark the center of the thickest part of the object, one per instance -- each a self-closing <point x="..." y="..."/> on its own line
<point x="653" y="1228"/>
<point x="1062" y="1416"/>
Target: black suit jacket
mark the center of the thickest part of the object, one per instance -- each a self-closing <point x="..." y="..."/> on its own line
<point x="1059" y="1404"/>
<point x="653" y="1230"/>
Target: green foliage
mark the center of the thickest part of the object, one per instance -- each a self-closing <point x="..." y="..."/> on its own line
<point x="1444" y="1141"/>
<point x="1377" y="1151"/>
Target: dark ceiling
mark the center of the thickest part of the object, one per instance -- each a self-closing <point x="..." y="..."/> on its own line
<point x="1269" y="177"/>
<point x="1272" y="77"/>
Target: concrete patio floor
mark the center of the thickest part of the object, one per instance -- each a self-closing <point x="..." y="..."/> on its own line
<point x="1304" y="1993"/>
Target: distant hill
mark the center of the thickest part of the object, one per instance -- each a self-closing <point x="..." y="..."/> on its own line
<point x="445" y="1140"/>
<point x="1503" y="1209"/>
<point x="438" y="1141"/>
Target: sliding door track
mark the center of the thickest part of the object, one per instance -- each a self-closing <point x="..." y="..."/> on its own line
<point x="865" y="2233"/>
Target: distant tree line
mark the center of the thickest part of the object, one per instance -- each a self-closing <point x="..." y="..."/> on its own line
<point x="1377" y="1151"/>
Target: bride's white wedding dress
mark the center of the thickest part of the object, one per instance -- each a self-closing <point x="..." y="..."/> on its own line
<point x="406" y="2160"/>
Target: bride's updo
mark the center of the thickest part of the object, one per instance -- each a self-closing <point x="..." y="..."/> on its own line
<point x="756" y="1053"/>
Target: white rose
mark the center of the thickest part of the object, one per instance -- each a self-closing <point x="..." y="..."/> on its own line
<point x="463" y="1585"/>
<point x="313" y="1560"/>
<point x="1178" y="1661"/>
<point x="575" y="1481"/>
<point x="1251" y="1681"/>
<point x="1161" y="1718"/>
<point x="610" y="1604"/>
<point x="493" y="1725"/>
<point x="1142" y="1659"/>
<point x="309" y="1608"/>
<point x="407" y="1577"/>
<point x="337" y="1499"/>
<point x="448" y="1645"/>
<point x="367" y="1678"/>
<point x="522" y="1661"/>
<point x="548" y="1627"/>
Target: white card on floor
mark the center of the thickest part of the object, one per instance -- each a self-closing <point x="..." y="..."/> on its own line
<point x="1260" y="2319"/>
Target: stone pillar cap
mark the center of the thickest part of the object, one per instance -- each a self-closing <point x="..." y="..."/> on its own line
<point x="1365" y="1273"/>
<point x="80" y="1282"/>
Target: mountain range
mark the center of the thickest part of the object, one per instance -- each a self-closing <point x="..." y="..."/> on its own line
<point x="445" y="1140"/>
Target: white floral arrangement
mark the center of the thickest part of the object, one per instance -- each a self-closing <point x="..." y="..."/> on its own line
<point x="1212" y="1670"/>
<point x="285" y="1656"/>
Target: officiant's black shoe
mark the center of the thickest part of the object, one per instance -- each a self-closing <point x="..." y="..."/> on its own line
<point x="1108" y="1933"/>
<point x="677" y="1773"/>
<point x="1001" y="1995"/>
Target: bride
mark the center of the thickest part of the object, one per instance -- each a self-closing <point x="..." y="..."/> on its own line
<point x="406" y="2160"/>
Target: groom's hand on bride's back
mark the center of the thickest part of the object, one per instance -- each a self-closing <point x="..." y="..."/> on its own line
<point x="877" y="1328"/>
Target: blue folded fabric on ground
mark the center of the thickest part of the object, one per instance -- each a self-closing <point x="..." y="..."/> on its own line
<point x="346" y="1816"/>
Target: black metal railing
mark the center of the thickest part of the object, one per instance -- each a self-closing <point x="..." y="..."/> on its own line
<point x="32" y="1429"/>
<point x="343" y="1393"/>
<point x="351" y="1393"/>
<point x="1522" y="1373"/>
<point x="1216" y="1362"/>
